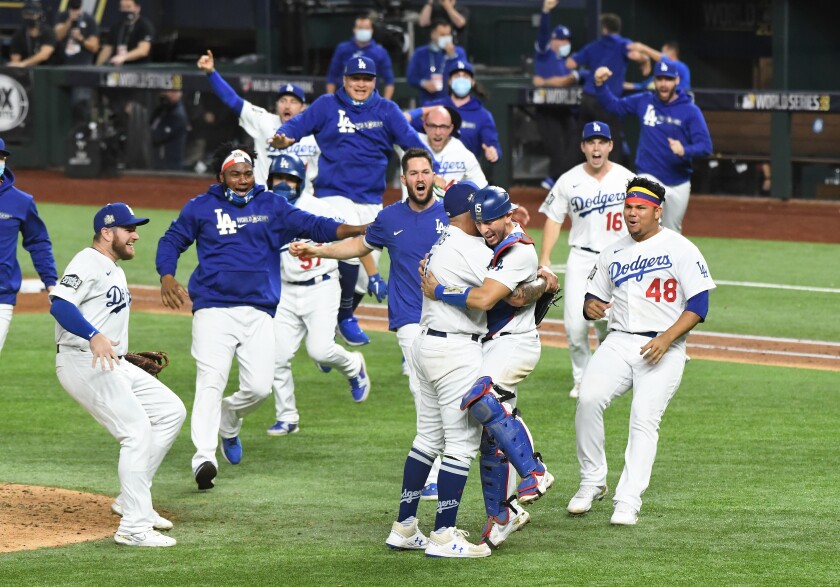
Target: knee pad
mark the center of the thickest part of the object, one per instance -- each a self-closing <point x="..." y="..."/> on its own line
<point x="494" y="479"/>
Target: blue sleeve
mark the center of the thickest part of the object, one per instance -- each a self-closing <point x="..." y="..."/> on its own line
<point x="402" y="132"/>
<point x="417" y="118"/>
<point x="70" y="317"/>
<point x="334" y="72"/>
<point x="177" y="239"/>
<point x="226" y="93"/>
<point x="385" y="70"/>
<point x="376" y="233"/>
<point x="307" y="122"/>
<point x="590" y="296"/>
<point x="416" y="72"/>
<point x="544" y="33"/>
<point x="306" y="225"/>
<point x="613" y="105"/>
<point x="37" y="243"/>
<point x="700" y="140"/>
<point x="699" y="304"/>
<point x="489" y="133"/>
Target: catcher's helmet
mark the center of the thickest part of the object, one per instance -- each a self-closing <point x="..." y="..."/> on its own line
<point x="287" y="164"/>
<point x="490" y="203"/>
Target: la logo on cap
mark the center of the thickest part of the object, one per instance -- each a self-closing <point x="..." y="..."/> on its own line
<point x="362" y="64"/>
<point x="284" y="163"/>
<point x="663" y="66"/>
<point x="460" y="64"/>
<point x="289" y="88"/>
<point x="596" y="127"/>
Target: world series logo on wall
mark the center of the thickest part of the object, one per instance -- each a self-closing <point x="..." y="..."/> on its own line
<point x="14" y="103"/>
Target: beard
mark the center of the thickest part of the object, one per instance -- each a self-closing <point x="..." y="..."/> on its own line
<point x="423" y="199"/>
<point x="123" y="251"/>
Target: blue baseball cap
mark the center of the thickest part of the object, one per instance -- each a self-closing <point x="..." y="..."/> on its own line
<point x="292" y="90"/>
<point x="561" y="32"/>
<point x="454" y="65"/>
<point x="3" y="150"/>
<point x="456" y="200"/>
<point x="116" y="214"/>
<point x="360" y="66"/>
<point x="665" y="69"/>
<point x="596" y="128"/>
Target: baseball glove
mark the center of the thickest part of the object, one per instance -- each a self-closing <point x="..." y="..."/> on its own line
<point x="545" y="302"/>
<point x="152" y="362"/>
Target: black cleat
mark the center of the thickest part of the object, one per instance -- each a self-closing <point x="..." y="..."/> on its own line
<point x="204" y="475"/>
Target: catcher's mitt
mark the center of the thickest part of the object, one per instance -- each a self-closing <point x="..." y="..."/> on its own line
<point x="152" y="362"/>
<point x="545" y="302"/>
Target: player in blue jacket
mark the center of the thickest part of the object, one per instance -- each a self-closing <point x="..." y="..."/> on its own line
<point x="672" y="133"/>
<point x="239" y="229"/>
<point x="18" y="215"/>
<point x="362" y="45"/>
<point x="356" y="129"/>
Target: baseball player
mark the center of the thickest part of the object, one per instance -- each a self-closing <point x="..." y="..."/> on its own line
<point x="511" y="350"/>
<point x="308" y="307"/>
<point x="238" y="229"/>
<point x="261" y="124"/>
<point x="672" y="133"/>
<point x="592" y="196"/>
<point x="656" y="284"/>
<point x="91" y="305"/>
<point x="18" y="215"/>
<point x="356" y="130"/>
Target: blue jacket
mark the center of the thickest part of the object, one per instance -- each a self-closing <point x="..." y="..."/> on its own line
<point x="18" y="215"/>
<point x="477" y="124"/>
<point x="425" y="62"/>
<point x="356" y="143"/>
<point x="680" y="119"/>
<point x="238" y="248"/>
<point x="546" y="61"/>
<point x="373" y="50"/>
<point x="609" y="50"/>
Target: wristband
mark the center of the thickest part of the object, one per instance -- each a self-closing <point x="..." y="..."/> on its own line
<point x="452" y="296"/>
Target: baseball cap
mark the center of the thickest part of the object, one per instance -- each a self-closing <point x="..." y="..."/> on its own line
<point x="596" y="128"/>
<point x="457" y="65"/>
<point x="116" y="214"/>
<point x="561" y="32"/>
<point x="292" y="90"/>
<point x="456" y="200"/>
<point x="3" y="149"/>
<point x="665" y="69"/>
<point x="360" y="65"/>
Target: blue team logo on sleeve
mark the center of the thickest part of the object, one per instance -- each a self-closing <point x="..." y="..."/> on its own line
<point x="703" y="271"/>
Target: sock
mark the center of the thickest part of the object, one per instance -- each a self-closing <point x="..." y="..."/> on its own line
<point x="357" y="299"/>
<point x="417" y="466"/>
<point x="347" y="276"/>
<point x="451" y="481"/>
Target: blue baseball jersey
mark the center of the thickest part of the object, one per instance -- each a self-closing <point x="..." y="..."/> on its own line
<point x="19" y="216"/>
<point x="680" y="119"/>
<point x="238" y="247"/>
<point x="373" y="50"/>
<point x="610" y="51"/>
<point x="356" y="143"/>
<point x="477" y="124"/>
<point x="408" y="236"/>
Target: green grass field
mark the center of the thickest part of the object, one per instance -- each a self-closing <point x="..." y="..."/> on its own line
<point x="744" y="490"/>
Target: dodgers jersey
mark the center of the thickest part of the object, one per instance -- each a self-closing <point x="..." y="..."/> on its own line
<point x="457" y="260"/>
<point x="296" y="269"/>
<point x="408" y="235"/>
<point x="596" y="208"/>
<point x="96" y="285"/>
<point x="516" y="264"/>
<point x="649" y="282"/>
<point x="456" y="163"/>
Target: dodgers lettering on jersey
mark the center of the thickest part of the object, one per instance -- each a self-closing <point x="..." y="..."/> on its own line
<point x="594" y="207"/>
<point x="649" y="282"/>
<point x="97" y="286"/>
<point x="294" y="269"/>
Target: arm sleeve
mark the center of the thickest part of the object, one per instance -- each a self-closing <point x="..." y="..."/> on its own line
<point x="37" y="243"/>
<point x="543" y="33"/>
<point x="587" y="297"/>
<point x="417" y="118"/>
<point x="177" y="239"/>
<point x="403" y="133"/>
<point x="318" y="228"/>
<point x="611" y="104"/>
<point x="385" y="71"/>
<point x="334" y="72"/>
<point x="701" y="140"/>
<point x="699" y="304"/>
<point x="305" y="123"/>
<point x="376" y="234"/>
<point x="489" y="134"/>
<point x="226" y="93"/>
<point x="415" y="72"/>
<point x="71" y="319"/>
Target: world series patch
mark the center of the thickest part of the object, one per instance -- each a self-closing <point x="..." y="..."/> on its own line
<point x="73" y="281"/>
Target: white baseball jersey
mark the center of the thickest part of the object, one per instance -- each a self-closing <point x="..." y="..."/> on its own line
<point x="457" y="260"/>
<point x="96" y="285"/>
<point x="261" y="124"/>
<point x="518" y="264"/>
<point x="595" y="207"/>
<point x="456" y="163"/>
<point x="649" y="282"/>
<point x="293" y="269"/>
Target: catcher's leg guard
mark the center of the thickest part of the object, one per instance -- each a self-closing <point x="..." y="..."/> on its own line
<point x="494" y="479"/>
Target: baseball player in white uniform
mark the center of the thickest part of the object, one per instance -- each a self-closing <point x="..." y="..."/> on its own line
<point x="656" y="284"/>
<point x="91" y="306"/>
<point x="260" y="124"/>
<point x="309" y="296"/>
<point x="592" y="196"/>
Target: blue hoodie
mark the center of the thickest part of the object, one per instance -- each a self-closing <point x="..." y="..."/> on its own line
<point x="680" y="119"/>
<point x="609" y="51"/>
<point x="18" y="214"/>
<point x="356" y="143"/>
<point x="477" y="124"/>
<point x="238" y="248"/>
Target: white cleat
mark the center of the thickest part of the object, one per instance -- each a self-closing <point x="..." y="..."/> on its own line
<point x="452" y="543"/>
<point x="575" y="392"/>
<point x="150" y="538"/>
<point x="159" y="522"/>
<point x="535" y="486"/>
<point x="404" y="537"/>
<point x="582" y="501"/>
<point x="498" y="533"/>
<point x="624" y="515"/>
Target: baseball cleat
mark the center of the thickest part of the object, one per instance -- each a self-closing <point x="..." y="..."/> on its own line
<point x="360" y="384"/>
<point x="232" y="450"/>
<point x="350" y="331"/>
<point x="404" y="537"/>
<point x="534" y="486"/>
<point x="495" y="533"/>
<point x="452" y="543"/>
<point x="624" y="515"/>
<point x="204" y="475"/>
<point x="281" y="428"/>
<point x="323" y="368"/>
<point x="150" y="538"/>
<point x="159" y="522"/>
<point x="582" y="501"/>
<point x="429" y="492"/>
<point x="405" y="370"/>
<point x="575" y="392"/>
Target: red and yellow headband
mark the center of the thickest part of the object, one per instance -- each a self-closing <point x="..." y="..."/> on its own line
<point x="237" y="156"/>
<point x="642" y="196"/>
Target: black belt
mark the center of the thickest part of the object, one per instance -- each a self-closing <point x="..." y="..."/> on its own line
<point x="649" y="334"/>
<point x="440" y="334"/>
<point x="587" y="249"/>
<point x="58" y="350"/>
<point x="312" y="281"/>
<point x="489" y="338"/>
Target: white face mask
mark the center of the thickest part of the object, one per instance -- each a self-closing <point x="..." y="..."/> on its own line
<point x="564" y="50"/>
<point x="444" y="42"/>
<point x="363" y="35"/>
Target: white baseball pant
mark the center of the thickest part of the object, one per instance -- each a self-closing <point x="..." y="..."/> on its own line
<point x="578" y="266"/>
<point x="675" y="205"/>
<point x="356" y="213"/>
<point x="6" y="311"/>
<point x="509" y="359"/>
